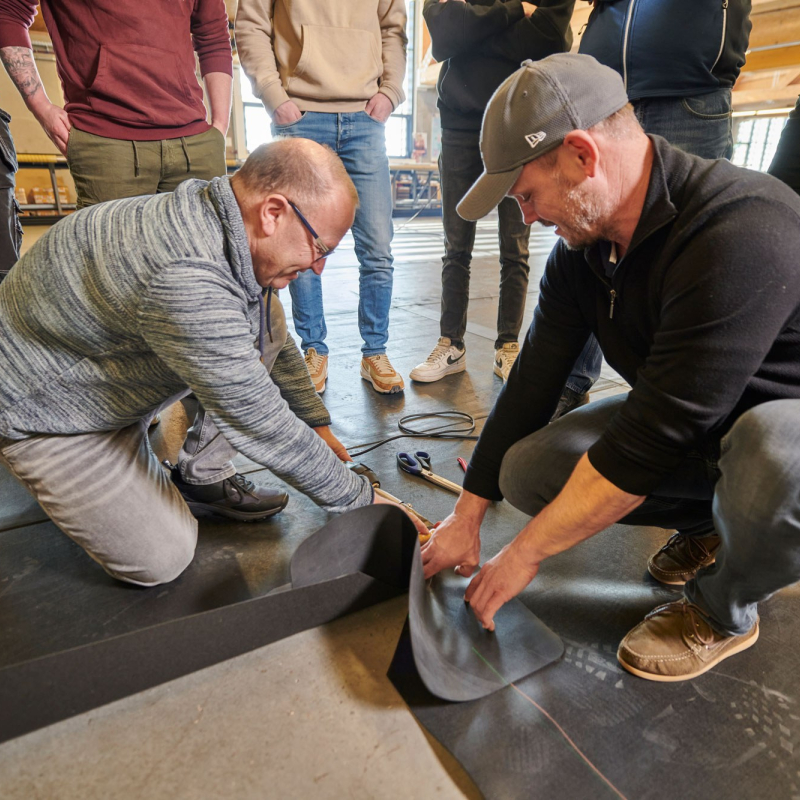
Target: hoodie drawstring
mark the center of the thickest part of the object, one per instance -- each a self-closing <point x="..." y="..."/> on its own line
<point x="135" y="161"/>
<point x="186" y="153"/>
<point x="261" y="322"/>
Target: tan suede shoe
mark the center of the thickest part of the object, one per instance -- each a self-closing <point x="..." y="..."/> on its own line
<point x="379" y="371"/>
<point x="682" y="556"/>
<point x="675" y="643"/>
<point x="317" y="366"/>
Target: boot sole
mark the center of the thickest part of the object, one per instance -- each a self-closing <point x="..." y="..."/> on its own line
<point x="453" y="370"/>
<point x="672" y="581"/>
<point x="649" y="676"/>
<point x="206" y="510"/>
<point x="385" y="388"/>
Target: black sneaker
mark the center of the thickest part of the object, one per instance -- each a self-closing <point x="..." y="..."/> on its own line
<point x="569" y="401"/>
<point x="236" y="497"/>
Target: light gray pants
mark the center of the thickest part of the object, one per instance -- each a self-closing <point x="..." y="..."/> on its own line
<point x="752" y="499"/>
<point x="108" y="492"/>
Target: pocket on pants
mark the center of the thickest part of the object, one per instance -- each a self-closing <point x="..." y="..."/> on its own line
<point x="711" y="106"/>
<point x="278" y="128"/>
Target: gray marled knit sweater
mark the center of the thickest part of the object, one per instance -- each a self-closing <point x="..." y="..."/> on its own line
<point x="127" y="303"/>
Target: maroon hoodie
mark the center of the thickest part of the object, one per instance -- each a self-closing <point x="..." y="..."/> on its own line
<point x="127" y="66"/>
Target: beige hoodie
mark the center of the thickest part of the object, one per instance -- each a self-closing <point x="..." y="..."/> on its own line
<point x="326" y="55"/>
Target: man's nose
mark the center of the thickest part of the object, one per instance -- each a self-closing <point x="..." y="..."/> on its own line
<point x="318" y="266"/>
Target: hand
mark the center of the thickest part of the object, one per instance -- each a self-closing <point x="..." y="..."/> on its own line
<point x="456" y="542"/>
<point x="379" y="107"/>
<point x="528" y="8"/>
<point x="222" y="127"/>
<point x="286" y="113"/>
<point x="56" y="125"/>
<point x="500" y="579"/>
<point x="422" y="530"/>
<point x="325" y="433"/>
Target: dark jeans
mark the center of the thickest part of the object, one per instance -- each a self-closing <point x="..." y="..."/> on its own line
<point x="786" y="163"/>
<point x="460" y="166"/>
<point x="10" y="228"/>
<point x="700" y="125"/>
<point x="751" y="498"/>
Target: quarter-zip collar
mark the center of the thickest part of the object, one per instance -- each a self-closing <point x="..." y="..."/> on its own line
<point x="658" y="209"/>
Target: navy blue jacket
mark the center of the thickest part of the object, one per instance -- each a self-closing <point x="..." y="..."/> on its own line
<point x="670" y="48"/>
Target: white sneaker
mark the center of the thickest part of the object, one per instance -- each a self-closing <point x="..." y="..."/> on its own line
<point x="317" y="366"/>
<point x="445" y="359"/>
<point x="504" y="359"/>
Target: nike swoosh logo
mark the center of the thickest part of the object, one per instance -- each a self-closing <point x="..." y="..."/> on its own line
<point x="451" y="360"/>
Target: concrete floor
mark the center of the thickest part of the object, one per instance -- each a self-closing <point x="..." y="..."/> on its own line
<point x="312" y="715"/>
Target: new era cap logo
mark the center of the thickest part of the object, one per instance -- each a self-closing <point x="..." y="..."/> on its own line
<point x="534" y="138"/>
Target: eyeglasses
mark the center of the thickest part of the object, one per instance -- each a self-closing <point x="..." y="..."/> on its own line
<point x="324" y="250"/>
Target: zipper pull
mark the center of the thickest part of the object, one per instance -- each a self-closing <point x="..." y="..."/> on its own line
<point x="613" y="300"/>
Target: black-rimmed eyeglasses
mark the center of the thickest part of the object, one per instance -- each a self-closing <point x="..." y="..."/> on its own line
<point x="324" y="250"/>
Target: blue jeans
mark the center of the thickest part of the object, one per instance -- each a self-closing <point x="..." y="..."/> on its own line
<point x="360" y="142"/>
<point x="751" y="498"/>
<point x="700" y="125"/>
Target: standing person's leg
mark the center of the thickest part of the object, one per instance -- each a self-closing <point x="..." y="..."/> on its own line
<point x="701" y="125"/>
<point x="205" y="473"/>
<point x="109" y="494"/>
<point x="308" y="311"/>
<point x="10" y="228"/>
<point x="514" y="271"/>
<point x="460" y="165"/>
<point x="757" y="514"/>
<point x="362" y="148"/>
<point x="200" y="156"/>
<point x="110" y="169"/>
<point x="786" y="163"/>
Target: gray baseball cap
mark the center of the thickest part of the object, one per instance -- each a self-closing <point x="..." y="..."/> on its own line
<point x="531" y="113"/>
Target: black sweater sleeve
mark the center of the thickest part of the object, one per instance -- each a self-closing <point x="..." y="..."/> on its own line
<point x="457" y="27"/>
<point x="544" y="33"/>
<point x="553" y="343"/>
<point x="714" y="334"/>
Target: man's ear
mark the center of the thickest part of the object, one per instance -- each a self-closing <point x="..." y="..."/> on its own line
<point x="582" y="152"/>
<point x="272" y="209"/>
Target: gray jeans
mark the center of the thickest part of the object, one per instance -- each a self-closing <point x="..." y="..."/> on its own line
<point x="107" y="491"/>
<point x="752" y="499"/>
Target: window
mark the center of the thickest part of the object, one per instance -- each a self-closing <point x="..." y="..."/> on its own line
<point x="398" y="126"/>
<point x="756" y="140"/>
<point x="256" y="119"/>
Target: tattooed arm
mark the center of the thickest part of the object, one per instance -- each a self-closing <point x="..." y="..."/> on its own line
<point x="22" y="70"/>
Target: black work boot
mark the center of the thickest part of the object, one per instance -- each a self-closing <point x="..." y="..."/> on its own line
<point x="236" y="497"/>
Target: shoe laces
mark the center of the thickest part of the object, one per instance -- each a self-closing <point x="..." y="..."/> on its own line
<point x="507" y="355"/>
<point x="314" y="360"/>
<point x="439" y="352"/>
<point x="697" y="550"/>
<point x="243" y="482"/>
<point x="693" y="621"/>
<point x="381" y="363"/>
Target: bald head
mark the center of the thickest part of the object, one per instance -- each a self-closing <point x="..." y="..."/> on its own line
<point x="308" y="173"/>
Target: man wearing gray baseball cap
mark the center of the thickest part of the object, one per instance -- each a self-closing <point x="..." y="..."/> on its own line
<point x="685" y="271"/>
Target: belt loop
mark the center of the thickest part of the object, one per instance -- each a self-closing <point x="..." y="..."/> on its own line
<point x="186" y="153"/>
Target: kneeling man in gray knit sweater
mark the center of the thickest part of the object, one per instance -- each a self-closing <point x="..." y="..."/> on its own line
<point x="127" y="306"/>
